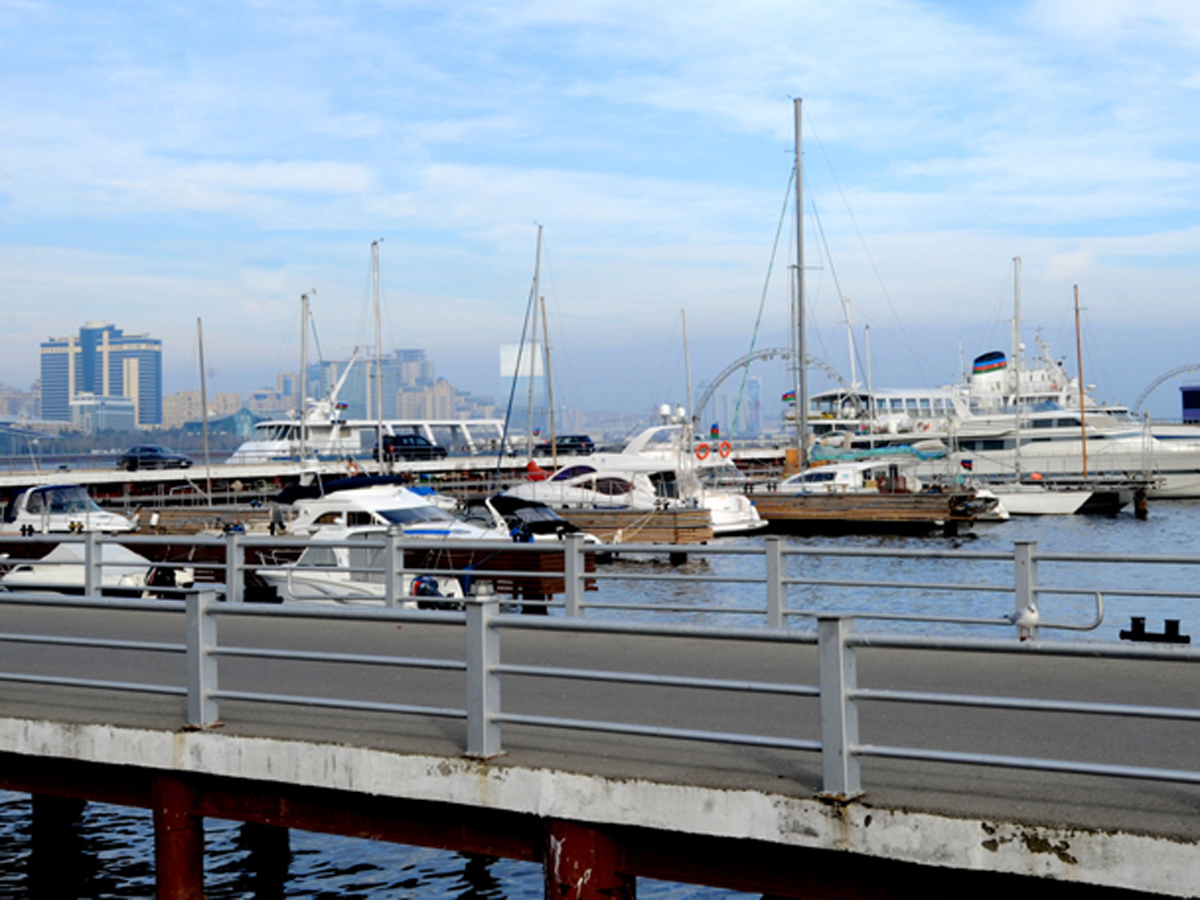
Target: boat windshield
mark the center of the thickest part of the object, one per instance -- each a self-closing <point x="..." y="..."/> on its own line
<point x="69" y="499"/>
<point x="415" y="515"/>
<point x="572" y="472"/>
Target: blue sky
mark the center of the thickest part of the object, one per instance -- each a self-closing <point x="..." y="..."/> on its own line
<point x="168" y="162"/>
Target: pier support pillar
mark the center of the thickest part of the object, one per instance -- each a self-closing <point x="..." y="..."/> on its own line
<point x="581" y="863"/>
<point x="268" y="858"/>
<point x="178" y="841"/>
<point x="57" y="862"/>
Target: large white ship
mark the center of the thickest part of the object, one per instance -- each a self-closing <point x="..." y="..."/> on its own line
<point x="1063" y="431"/>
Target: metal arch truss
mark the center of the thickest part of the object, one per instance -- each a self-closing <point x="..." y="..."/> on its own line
<point x="760" y="355"/>
<point x="1166" y="376"/>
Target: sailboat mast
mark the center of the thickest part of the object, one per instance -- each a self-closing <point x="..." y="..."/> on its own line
<point x="687" y="374"/>
<point x="378" y="352"/>
<point x="302" y="401"/>
<point x="1016" y="354"/>
<point x="1082" y="394"/>
<point x="537" y="287"/>
<point x="204" y="408"/>
<point x="801" y="346"/>
<point x="549" y="378"/>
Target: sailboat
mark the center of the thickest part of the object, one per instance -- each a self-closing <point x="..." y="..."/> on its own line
<point x="1034" y="497"/>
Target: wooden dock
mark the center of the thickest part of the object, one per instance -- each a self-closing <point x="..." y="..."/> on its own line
<point x="660" y="526"/>
<point x="919" y="513"/>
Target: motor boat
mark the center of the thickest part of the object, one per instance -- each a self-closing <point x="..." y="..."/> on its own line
<point x="61" y="508"/>
<point x="388" y="505"/>
<point x="657" y="469"/>
<point x="122" y="571"/>
<point x="886" y="476"/>
<point x="344" y="566"/>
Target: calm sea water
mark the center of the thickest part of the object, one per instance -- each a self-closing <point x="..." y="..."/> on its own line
<point x="115" y="846"/>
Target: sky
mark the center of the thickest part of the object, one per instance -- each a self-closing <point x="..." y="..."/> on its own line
<point x="180" y="169"/>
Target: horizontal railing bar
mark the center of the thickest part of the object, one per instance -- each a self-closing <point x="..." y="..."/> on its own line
<point x="983" y="701"/>
<point x="400" y="662"/>
<point x="901" y="585"/>
<point x="1022" y="762"/>
<point x="717" y="684"/>
<point x="542" y="623"/>
<point x="340" y="613"/>
<point x="65" y="681"/>
<point x="132" y="604"/>
<point x="327" y="703"/>
<point x="714" y="737"/>
<point x="1039" y="647"/>
<point x="99" y="643"/>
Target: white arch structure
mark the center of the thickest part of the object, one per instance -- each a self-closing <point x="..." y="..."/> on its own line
<point x="1166" y="376"/>
<point x="760" y="355"/>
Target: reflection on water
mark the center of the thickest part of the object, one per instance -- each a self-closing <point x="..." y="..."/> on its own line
<point x="110" y="853"/>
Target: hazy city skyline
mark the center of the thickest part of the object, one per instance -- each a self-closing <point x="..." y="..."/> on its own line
<point x="170" y="164"/>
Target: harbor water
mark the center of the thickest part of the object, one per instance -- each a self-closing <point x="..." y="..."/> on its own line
<point x="115" y="846"/>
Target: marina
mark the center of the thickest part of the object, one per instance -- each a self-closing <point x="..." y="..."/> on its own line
<point x="707" y="593"/>
<point x="898" y="589"/>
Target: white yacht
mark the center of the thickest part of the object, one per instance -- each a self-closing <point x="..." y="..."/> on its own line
<point x="324" y="435"/>
<point x="655" y="470"/>
<point x="981" y="422"/>
<point x="388" y="506"/>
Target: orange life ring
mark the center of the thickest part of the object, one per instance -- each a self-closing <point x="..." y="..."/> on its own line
<point x="702" y="451"/>
<point x="353" y="467"/>
<point x="725" y="449"/>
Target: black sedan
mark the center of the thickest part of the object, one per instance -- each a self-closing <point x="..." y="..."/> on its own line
<point x="152" y="456"/>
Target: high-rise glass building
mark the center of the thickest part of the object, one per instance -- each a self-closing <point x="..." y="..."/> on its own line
<point x="105" y="362"/>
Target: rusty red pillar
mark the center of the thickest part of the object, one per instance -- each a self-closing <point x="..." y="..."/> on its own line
<point x="178" y="841"/>
<point x="582" y="863"/>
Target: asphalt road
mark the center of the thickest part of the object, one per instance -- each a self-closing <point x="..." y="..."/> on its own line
<point x="1154" y="807"/>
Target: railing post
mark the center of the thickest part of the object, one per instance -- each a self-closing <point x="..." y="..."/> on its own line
<point x="839" y="710"/>
<point x="1025" y="580"/>
<point x="573" y="569"/>
<point x="393" y="580"/>
<point x="93" y="566"/>
<point x="201" y="663"/>
<point x="483" y="684"/>
<point x="235" y="563"/>
<point x="776" y="593"/>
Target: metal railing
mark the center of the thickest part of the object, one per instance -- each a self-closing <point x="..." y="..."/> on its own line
<point x="838" y="739"/>
<point x="773" y="583"/>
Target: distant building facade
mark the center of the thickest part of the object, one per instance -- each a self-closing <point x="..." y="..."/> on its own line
<point x="271" y="402"/>
<point x="402" y="386"/>
<point x="102" y="363"/>
<point x="184" y="407"/>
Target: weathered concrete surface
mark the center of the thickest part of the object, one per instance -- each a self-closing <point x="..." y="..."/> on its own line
<point x="1109" y="858"/>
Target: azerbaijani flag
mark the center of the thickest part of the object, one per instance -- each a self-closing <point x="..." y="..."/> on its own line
<point x="789" y="397"/>
<point x="989" y="362"/>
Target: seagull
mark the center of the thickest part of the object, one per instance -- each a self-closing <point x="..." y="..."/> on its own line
<point x="1026" y="620"/>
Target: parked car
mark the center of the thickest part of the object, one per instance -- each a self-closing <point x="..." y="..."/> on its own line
<point x="409" y="447"/>
<point x="567" y="445"/>
<point x="152" y="456"/>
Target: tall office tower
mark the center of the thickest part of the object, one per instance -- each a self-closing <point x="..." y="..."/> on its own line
<point x="104" y="362"/>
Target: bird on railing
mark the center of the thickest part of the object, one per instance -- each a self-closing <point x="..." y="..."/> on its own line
<point x="1026" y="620"/>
